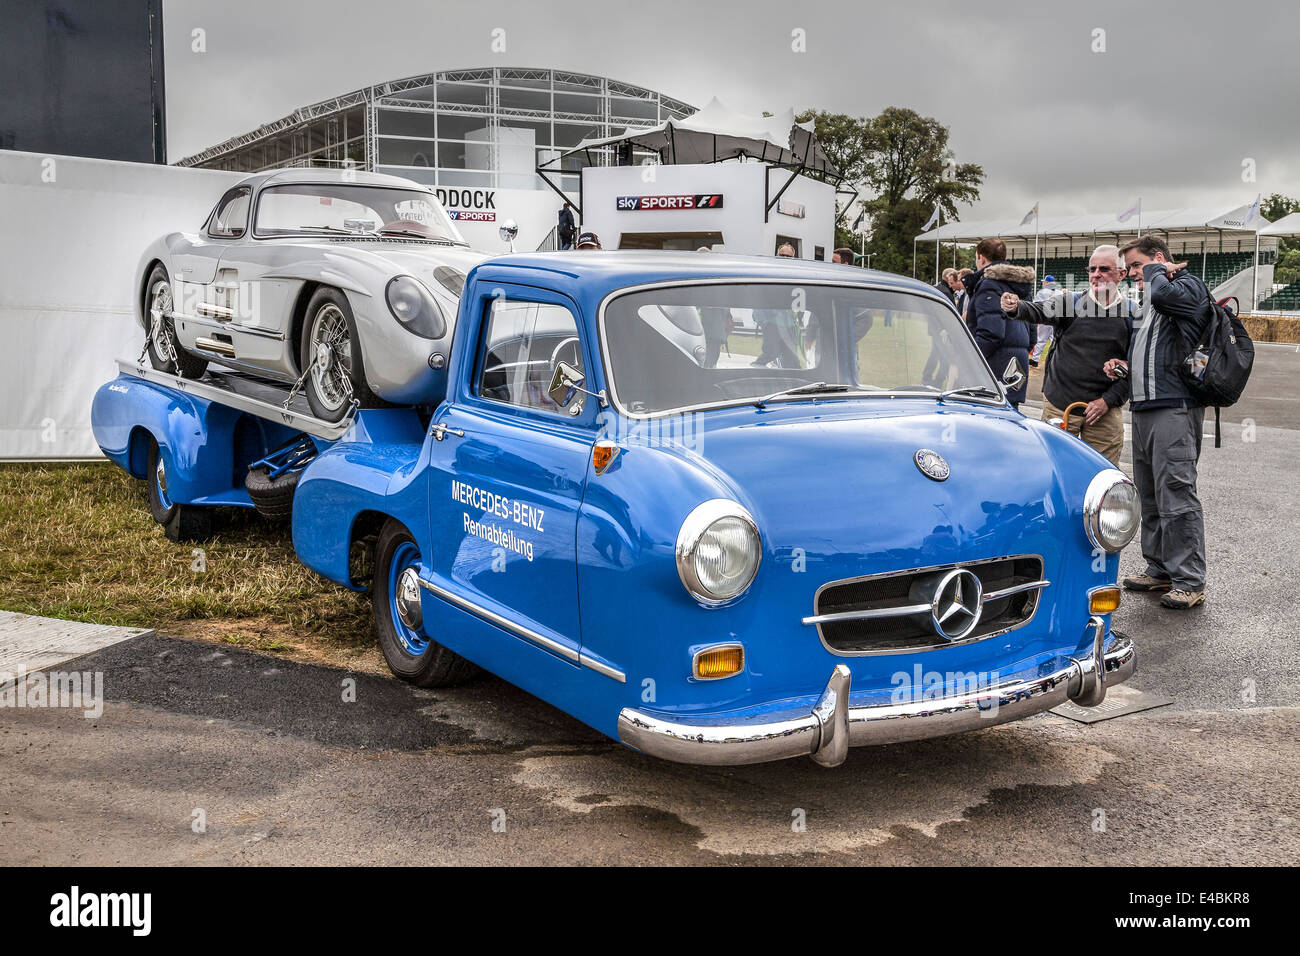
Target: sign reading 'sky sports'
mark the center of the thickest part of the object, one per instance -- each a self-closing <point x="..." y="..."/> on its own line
<point x="660" y="203"/>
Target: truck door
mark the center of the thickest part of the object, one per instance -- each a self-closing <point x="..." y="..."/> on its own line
<point x="509" y="474"/>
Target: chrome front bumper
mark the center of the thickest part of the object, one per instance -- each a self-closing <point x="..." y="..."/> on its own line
<point x="834" y="725"/>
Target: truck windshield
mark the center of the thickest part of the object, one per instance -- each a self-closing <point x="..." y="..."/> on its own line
<point x="352" y="209"/>
<point x="702" y="345"/>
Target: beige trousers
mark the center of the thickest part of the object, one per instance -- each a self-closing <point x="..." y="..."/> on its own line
<point x="1107" y="435"/>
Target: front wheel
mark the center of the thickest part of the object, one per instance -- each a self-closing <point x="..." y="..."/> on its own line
<point x="399" y="623"/>
<point x="165" y="350"/>
<point x="330" y="354"/>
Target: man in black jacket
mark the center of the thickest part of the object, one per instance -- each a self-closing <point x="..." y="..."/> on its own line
<point x="947" y="284"/>
<point x="1091" y="328"/>
<point x="1167" y="422"/>
<point x="999" y="339"/>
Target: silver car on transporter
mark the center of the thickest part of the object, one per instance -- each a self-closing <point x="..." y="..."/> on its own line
<point x="351" y="278"/>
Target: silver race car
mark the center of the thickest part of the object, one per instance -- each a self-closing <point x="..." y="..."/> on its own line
<point x="343" y="282"/>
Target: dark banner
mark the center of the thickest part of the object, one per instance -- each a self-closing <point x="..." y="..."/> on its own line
<point x="83" y="78"/>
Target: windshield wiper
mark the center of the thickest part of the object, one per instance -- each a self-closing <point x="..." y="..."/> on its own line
<point x="970" y="390"/>
<point x="340" y="231"/>
<point x="809" y="389"/>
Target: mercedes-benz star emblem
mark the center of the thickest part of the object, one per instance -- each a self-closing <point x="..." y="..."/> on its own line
<point x="957" y="603"/>
<point x="931" y="464"/>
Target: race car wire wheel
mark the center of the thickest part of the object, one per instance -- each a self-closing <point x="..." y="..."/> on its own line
<point x="160" y="321"/>
<point x="331" y="357"/>
<point x="165" y="350"/>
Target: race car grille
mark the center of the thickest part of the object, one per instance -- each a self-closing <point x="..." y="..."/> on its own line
<point x="870" y="615"/>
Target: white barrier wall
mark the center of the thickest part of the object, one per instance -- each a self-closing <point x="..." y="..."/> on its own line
<point x="71" y="234"/>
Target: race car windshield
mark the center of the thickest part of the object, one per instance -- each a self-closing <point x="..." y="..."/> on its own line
<point x="702" y="345"/>
<point x="352" y="209"/>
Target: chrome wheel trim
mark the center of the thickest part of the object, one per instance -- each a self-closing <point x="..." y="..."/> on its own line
<point x="330" y="357"/>
<point x="160" y="479"/>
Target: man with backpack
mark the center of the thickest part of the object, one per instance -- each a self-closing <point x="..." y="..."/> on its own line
<point x="1168" y="421"/>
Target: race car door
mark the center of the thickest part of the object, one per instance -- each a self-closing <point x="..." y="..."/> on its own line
<point x="513" y="465"/>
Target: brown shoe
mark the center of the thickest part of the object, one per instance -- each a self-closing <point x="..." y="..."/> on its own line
<point x="1181" y="600"/>
<point x="1145" y="582"/>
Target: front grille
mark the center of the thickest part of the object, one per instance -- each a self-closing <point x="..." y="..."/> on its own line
<point x="868" y="635"/>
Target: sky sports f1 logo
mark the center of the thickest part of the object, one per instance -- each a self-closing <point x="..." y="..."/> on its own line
<point x="660" y="203"/>
<point x="73" y="909"/>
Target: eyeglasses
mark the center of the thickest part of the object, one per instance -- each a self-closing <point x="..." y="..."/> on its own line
<point x="1101" y="268"/>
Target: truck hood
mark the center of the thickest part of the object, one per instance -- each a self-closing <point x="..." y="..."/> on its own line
<point x="841" y="485"/>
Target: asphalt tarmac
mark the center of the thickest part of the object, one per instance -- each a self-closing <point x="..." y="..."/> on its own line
<point x="278" y="767"/>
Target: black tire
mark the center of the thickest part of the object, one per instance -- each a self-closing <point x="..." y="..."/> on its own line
<point x="186" y="364"/>
<point x="179" y="522"/>
<point x="332" y="404"/>
<point x="272" y="497"/>
<point x="433" y="665"/>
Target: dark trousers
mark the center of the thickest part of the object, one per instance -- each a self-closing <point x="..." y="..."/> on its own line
<point x="1166" y="446"/>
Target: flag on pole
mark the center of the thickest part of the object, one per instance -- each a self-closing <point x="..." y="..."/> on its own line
<point x="857" y="222"/>
<point x="1032" y="214"/>
<point x="1131" y="211"/>
<point x="934" y="217"/>
<point x="1254" y="211"/>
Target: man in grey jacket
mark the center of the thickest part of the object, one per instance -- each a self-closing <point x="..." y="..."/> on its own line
<point x="1167" y="422"/>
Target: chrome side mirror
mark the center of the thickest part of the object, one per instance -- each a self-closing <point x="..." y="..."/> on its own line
<point x="565" y="380"/>
<point x="1012" y="377"/>
<point x="509" y="229"/>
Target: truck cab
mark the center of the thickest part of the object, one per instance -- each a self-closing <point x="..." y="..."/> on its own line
<point x="722" y="549"/>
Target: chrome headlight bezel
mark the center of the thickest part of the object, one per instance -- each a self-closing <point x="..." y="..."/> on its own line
<point x="1094" y="502"/>
<point x="414" y="306"/>
<point x="693" y="531"/>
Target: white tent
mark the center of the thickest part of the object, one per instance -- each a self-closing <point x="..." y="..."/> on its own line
<point x="1286" y="226"/>
<point x="1191" y="222"/>
<point x="715" y="134"/>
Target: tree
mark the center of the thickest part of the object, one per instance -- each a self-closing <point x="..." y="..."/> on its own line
<point x="1273" y="208"/>
<point x="903" y="159"/>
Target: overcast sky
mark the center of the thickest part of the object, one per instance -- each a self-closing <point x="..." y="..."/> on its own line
<point x="1184" y="92"/>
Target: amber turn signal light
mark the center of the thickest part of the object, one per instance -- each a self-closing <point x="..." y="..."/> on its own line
<point x="1103" y="600"/>
<point x="603" y="454"/>
<point x="713" y="663"/>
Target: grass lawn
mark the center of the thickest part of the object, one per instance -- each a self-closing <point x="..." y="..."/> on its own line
<point x="79" y="544"/>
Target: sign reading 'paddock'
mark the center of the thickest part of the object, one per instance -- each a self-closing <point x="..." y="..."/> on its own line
<point x="661" y="203"/>
<point x="476" y="205"/>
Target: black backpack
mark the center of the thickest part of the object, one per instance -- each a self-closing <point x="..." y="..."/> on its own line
<point x="1216" y="369"/>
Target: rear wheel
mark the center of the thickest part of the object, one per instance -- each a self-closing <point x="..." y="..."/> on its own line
<point x="161" y="331"/>
<point x="330" y="353"/>
<point x="179" y="522"/>
<point x="399" y="623"/>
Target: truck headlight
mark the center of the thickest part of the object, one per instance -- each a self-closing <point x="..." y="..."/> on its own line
<point x="1110" y="510"/>
<point x="718" y="551"/>
<point x="413" y="306"/>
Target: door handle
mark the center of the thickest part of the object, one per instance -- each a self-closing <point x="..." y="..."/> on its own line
<point x="441" y="431"/>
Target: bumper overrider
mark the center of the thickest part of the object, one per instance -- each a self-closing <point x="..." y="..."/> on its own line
<point x="834" y="724"/>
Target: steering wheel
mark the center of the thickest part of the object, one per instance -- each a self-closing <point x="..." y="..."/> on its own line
<point x="572" y="340"/>
<point x="411" y="227"/>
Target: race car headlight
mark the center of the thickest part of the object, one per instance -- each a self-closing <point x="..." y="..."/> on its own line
<point x="413" y="306"/>
<point x="718" y="551"/>
<point x="1110" y="510"/>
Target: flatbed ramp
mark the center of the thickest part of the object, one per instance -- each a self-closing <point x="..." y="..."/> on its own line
<point x="29" y="643"/>
<point x="246" y="393"/>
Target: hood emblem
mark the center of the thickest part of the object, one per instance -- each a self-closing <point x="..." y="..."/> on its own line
<point x="931" y="464"/>
<point x="957" y="603"/>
